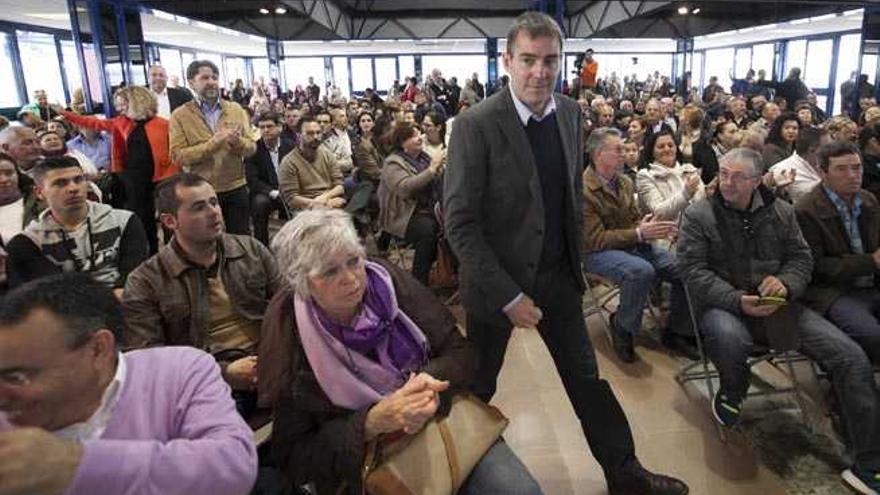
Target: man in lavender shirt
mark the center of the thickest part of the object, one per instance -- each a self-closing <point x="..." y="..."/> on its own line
<point x="79" y="417"/>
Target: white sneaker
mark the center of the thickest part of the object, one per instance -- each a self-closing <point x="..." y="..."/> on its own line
<point x="857" y="483"/>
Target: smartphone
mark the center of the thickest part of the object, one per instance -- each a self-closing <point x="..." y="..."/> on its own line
<point x="771" y="301"/>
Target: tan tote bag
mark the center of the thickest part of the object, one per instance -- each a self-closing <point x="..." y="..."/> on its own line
<point x="437" y="459"/>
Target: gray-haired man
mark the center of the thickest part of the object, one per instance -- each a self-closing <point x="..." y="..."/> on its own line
<point x="736" y="250"/>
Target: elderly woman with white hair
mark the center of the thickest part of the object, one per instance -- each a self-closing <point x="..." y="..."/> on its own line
<point x="354" y="351"/>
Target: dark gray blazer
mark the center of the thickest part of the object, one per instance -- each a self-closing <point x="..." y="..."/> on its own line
<point x="493" y="205"/>
<point x="178" y="96"/>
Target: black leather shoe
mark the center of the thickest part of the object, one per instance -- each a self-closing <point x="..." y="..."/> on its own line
<point x="636" y="480"/>
<point x="681" y="345"/>
<point x="623" y="343"/>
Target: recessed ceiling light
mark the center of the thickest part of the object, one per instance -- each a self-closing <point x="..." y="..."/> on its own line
<point x="280" y="10"/>
<point x="683" y="10"/>
<point x="696" y="11"/>
<point x="264" y="11"/>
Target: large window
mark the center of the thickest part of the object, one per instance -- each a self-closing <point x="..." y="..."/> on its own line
<point x="298" y="71"/>
<point x="640" y="64"/>
<point x="869" y="67"/>
<point x="846" y="65"/>
<point x="386" y="73"/>
<point x="361" y="74"/>
<point x="39" y="59"/>
<point x="622" y="64"/>
<point x="796" y="56"/>
<point x="762" y="59"/>
<point x="719" y="63"/>
<point x="340" y="75"/>
<point x="697" y="71"/>
<point x="459" y="66"/>
<point x="261" y="70"/>
<point x="407" y="65"/>
<point x="235" y="70"/>
<point x="818" y="70"/>
<point x="170" y="59"/>
<point x="9" y="96"/>
<point x="743" y="63"/>
<point x="186" y="58"/>
<point x="93" y="69"/>
<point x="71" y="67"/>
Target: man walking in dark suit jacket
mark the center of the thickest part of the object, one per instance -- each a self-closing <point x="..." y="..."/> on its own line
<point x="261" y="170"/>
<point x="513" y="217"/>
<point x="168" y="98"/>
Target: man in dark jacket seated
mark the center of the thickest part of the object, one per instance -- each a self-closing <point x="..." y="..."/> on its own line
<point x="841" y="223"/>
<point x="261" y="170"/>
<point x="737" y="249"/>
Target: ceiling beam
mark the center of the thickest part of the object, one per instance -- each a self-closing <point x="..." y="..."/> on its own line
<point x="326" y="13"/>
<point x="596" y="15"/>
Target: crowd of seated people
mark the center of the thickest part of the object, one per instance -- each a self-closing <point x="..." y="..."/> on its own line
<point x="172" y="300"/>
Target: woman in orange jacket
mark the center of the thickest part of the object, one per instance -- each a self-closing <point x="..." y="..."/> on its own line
<point x="139" y="150"/>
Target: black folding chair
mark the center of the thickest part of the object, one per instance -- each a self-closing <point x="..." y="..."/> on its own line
<point x="781" y="361"/>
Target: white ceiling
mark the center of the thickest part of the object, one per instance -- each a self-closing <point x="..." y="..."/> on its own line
<point x="53" y="14"/>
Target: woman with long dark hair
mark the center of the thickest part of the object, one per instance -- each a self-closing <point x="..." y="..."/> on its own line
<point x="781" y="140"/>
<point x="367" y="156"/>
<point x="665" y="186"/>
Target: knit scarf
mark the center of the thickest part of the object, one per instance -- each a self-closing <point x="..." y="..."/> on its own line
<point x="358" y="364"/>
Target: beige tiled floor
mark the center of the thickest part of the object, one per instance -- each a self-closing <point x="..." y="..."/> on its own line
<point x="672" y="427"/>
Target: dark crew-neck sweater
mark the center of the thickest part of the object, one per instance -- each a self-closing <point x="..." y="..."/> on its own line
<point x="546" y="145"/>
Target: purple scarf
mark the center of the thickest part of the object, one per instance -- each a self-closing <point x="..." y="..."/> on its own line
<point x="339" y="354"/>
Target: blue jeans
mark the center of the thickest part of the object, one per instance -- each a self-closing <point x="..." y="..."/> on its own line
<point x="728" y="343"/>
<point x="500" y="472"/>
<point x="856" y="313"/>
<point x="636" y="271"/>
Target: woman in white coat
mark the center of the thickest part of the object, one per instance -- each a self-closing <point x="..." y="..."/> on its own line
<point x="665" y="187"/>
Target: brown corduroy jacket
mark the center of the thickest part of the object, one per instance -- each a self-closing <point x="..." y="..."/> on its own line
<point x="190" y="143"/>
<point x="835" y="265"/>
<point x="610" y="220"/>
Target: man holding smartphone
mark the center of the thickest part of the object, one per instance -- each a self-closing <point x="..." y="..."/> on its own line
<point x="737" y="250"/>
<point x="212" y="137"/>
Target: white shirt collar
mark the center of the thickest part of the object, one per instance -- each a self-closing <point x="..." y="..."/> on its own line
<point x="525" y="112"/>
<point x="163" y="93"/>
<point x="94" y="427"/>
